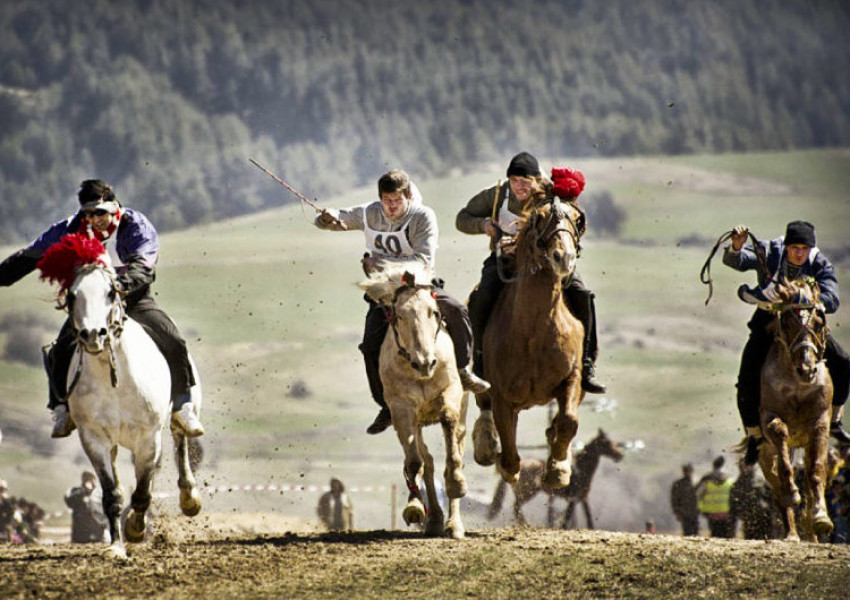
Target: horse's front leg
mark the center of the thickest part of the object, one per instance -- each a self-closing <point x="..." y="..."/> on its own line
<point x="102" y="457"/>
<point x="586" y="505"/>
<point x="454" y="432"/>
<point x="782" y="479"/>
<point x="560" y="435"/>
<point x="485" y="437"/>
<point x="816" y="459"/>
<point x="404" y="422"/>
<point x="145" y="458"/>
<point x="190" y="499"/>
<point x="434" y="519"/>
<point x="506" y="418"/>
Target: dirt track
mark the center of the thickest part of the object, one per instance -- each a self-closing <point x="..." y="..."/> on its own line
<point x="213" y="561"/>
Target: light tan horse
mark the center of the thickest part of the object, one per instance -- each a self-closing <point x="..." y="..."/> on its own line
<point x="533" y="347"/>
<point x="796" y="399"/>
<point x="422" y="387"/>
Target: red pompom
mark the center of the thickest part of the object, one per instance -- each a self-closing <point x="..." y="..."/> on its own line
<point x="567" y="183"/>
<point x="62" y="259"/>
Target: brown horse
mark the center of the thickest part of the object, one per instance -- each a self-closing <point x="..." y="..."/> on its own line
<point x="533" y="347"/>
<point x="530" y="481"/>
<point x="796" y="397"/>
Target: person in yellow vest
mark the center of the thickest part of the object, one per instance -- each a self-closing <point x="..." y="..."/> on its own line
<point x="713" y="500"/>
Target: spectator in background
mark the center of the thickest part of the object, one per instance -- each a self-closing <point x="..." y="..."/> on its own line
<point x="335" y="509"/>
<point x="683" y="500"/>
<point x="713" y="500"/>
<point x="88" y="523"/>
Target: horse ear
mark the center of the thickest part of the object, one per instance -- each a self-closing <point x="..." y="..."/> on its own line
<point x="408" y="279"/>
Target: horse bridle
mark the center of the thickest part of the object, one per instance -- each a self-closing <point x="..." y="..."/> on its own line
<point x="392" y="317"/>
<point x="807" y="332"/>
<point x="541" y="239"/>
<point x="114" y="326"/>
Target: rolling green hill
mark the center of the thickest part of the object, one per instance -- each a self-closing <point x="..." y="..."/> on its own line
<point x="269" y="306"/>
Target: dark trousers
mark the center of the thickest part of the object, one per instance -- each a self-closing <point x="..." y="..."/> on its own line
<point x="156" y="323"/>
<point x="483" y="299"/>
<point x="690" y="526"/>
<point x="720" y="527"/>
<point x="455" y="318"/>
<point x="753" y="357"/>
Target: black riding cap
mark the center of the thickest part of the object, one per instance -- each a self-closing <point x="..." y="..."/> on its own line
<point x="524" y="165"/>
<point x="800" y="232"/>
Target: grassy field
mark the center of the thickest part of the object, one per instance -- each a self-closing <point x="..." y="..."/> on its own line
<point x="268" y="301"/>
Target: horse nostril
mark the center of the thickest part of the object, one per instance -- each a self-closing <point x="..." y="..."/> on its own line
<point x="557" y="255"/>
<point x="84" y="334"/>
<point x="434" y="364"/>
<point x="102" y="332"/>
<point x="415" y="365"/>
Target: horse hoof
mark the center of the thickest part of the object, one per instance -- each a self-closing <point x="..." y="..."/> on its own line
<point x="116" y="551"/>
<point x="190" y="502"/>
<point x="414" y="514"/>
<point x="434" y="527"/>
<point x="134" y="527"/>
<point x="455" y="530"/>
<point x="822" y="525"/>
<point x="557" y="476"/>
<point x="485" y="440"/>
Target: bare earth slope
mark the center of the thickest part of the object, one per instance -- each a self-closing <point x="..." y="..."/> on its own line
<point x="214" y="562"/>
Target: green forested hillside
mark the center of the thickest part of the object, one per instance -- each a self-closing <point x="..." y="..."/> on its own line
<point x="167" y="99"/>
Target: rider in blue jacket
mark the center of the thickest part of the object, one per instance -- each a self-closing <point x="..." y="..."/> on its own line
<point x="790" y="257"/>
<point x="133" y="245"/>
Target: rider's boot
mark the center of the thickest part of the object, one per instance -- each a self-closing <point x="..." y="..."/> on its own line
<point x="589" y="383"/>
<point x="472" y="382"/>
<point x="754" y="440"/>
<point x="184" y="417"/>
<point x="836" y="428"/>
<point x="63" y="424"/>
<point x="381" y="422"/>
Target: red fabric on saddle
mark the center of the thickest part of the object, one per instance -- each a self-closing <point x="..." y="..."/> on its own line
<point x="60" y="262"/>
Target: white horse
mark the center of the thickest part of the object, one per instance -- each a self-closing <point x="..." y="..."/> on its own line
<point x="119" y="393"/>
<point x="421" y="387"/>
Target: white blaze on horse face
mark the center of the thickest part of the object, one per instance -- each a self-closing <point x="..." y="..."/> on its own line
<point x="92" y="308"/>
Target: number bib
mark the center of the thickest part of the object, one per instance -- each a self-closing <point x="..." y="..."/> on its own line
<point x="387" y="243"/>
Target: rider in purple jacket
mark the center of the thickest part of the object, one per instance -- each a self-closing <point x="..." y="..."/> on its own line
<point x="790" y="257"/>
<point x="133" y="245"/>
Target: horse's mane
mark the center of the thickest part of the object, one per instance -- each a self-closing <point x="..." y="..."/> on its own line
<point x="790" y="292"/>
<point x="384" y="283"/>
<point x="61" y="261"/>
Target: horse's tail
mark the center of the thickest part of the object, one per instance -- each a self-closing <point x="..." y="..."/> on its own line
<point x="498" y="500"/>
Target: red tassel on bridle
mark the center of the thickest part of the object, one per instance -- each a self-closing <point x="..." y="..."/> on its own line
<point x="61" y="261"/>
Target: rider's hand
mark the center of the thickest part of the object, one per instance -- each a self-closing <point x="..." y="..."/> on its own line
<point x="739" y="237"/>
<point x="370" y="264"/>
<point x="490" y="228"/>
<point x="326" y="218"/>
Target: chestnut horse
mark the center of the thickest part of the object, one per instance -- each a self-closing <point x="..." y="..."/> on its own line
<point x="796" y="399"/>
<point x="422" y="387"/>
<point x="533" y="347"/>
<point x="530" y="481"/>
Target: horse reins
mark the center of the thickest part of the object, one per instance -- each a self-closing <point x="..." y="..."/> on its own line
<point x="801" y="340"/>
<point x="541" y="241"/>
<point x="705" y="272"/>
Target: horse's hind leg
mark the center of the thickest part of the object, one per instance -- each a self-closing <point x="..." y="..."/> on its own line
<point x="434" y="519"/>
<point x="190" y="499"/>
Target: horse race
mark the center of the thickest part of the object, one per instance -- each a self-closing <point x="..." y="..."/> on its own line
<point x="322" y="330"/>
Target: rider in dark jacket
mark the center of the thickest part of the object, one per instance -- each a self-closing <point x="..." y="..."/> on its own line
<point x="133" y="245"/>
<point x="790" y="257"/>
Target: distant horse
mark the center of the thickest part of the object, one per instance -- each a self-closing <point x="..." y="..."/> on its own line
<point x="422" y="387"/>
<point x="120" y="387"/>
<point x="533" y="347"/>
<point x="530" y="481"/>
<point x="796" y="398"/>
